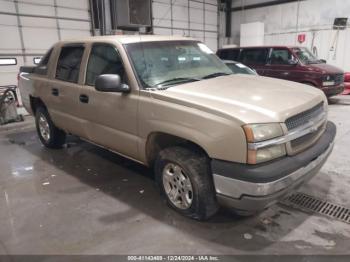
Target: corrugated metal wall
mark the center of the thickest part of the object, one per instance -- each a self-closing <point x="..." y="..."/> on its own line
<point x="195" y="18"/>
<point x="29" y="27"/>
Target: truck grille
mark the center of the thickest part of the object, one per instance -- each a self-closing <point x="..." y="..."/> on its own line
<point x="301" y="118"/>
<point x="297" y="145"/>
<point x="339" y="79"/>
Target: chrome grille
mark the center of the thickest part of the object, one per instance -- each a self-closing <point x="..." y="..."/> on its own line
<point x="301" y="143"/>
<point x="303" y="117"/>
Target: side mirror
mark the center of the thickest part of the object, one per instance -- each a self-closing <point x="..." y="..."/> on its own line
<point x="323" y="61"/>
<point x="111" y="83"/>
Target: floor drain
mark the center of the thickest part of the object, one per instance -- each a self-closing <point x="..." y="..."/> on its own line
<point x="310" y="203"/>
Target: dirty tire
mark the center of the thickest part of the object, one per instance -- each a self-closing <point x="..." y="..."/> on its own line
<point x="56" y="137"/>
<point x="196" y="166"/>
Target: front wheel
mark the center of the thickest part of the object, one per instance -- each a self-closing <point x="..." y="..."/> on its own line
<point x="185" y="180"/>
<point x="49" y="135"/>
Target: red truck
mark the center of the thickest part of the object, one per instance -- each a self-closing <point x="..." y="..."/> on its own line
<point x="290" y="63"/>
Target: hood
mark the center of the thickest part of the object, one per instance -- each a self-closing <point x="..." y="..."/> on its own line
<point x="325" y="68"/>
<point x="246" y="98"/>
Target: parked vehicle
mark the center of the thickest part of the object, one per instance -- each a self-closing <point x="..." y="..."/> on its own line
<point x="290" y="63"/>
<point x="239" y="68"/>
<point x="346" y="84"/>
<point x="212" y="137"/>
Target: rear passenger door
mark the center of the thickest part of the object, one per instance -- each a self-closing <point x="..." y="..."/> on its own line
<point x="255" y="58"/>
<point x="64" y="89"/>
<point x="110" y="117"/>
<point x="282" y="64"/>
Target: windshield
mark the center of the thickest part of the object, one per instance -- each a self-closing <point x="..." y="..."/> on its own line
<point x="305" y="55"/>
<point x="167" y="63"/>
<point x="238" y="68"/>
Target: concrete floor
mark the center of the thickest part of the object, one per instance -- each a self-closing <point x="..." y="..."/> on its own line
<point x="85" y="200"/>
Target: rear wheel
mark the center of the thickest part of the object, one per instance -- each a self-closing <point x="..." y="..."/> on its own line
<point x="185" y="180"/>
<point x="49" y="135"/>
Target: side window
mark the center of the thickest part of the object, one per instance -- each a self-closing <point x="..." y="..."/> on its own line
<point x="104" y="59"/>
<point x="45" y="59"/>
<point x="254" y="56"/>
<point x="68" y="65"/>
<point x="41" y="68"/>
<point x="280" y="56"/>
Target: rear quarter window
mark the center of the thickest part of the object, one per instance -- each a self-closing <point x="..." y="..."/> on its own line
<point x="256" y="56"/>
<point x="68" y="65"/>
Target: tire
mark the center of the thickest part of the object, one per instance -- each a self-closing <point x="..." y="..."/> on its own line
<point x="50" y="136"/>
<point x="201" y="204"/>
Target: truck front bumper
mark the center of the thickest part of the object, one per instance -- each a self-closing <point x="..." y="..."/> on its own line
<point x="251" y="188"/>
<point x="333" y="90"/>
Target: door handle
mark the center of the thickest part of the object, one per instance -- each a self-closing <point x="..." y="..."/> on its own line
<point x="55" y="91"/>
<point x="84" y="99"/>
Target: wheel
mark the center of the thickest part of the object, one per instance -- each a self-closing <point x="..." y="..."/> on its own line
<point x="185" y="179"/>
<point x="49" y="135"/>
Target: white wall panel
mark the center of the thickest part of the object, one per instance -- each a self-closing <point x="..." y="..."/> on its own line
<point x="80" y="4"/>
<point x="7" y="6"/>
<point x="74" y="34"/>
<point x="40" y="29"/>
<point x="36" y="9"/>
<point x="37" y="39"/>
<point x="197" y="18"/>
<point x="73" y="13"/>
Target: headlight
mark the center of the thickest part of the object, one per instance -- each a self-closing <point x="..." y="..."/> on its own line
<point x="328" y="80"/>
<point x="261" y="132"/>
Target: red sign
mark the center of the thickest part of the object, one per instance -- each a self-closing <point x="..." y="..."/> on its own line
<point x="301" y="38"/>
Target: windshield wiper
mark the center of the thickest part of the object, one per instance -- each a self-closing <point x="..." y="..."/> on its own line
<point x="217" y="74"/>
<point x="176" y="80"/>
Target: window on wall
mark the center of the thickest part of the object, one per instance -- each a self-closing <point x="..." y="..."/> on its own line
<point x="104" y="59"/>
<point x="254" y="56"/>
<point x="8" y="61"/>
<point x="68" y="65"/>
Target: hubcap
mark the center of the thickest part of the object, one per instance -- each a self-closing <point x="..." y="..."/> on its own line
<point x="44" y="127"/>
<point x="177" y="186"/>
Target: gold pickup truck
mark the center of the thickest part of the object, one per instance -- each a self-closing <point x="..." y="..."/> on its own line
<point x="213" y="138"/>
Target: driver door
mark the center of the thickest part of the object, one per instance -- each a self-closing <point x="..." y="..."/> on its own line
<point x="110" y="117"/>
<point x="282" y="64"/>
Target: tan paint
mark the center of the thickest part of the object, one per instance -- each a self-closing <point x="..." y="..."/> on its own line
<point x="209" y="113"/>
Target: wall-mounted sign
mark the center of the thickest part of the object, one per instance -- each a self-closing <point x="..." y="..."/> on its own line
<point x="301" y="38"/>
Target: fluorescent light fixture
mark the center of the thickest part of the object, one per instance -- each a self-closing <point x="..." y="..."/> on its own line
<point x="36" y="60"/>
<point x="8" y="61"/>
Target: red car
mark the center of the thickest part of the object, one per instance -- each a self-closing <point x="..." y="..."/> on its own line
<point x="290" y="63"/>
<point x="347" y="84"/>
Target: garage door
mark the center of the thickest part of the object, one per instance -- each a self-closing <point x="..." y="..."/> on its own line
<point x="195" y="18"/>
<point x="29" y="27"/>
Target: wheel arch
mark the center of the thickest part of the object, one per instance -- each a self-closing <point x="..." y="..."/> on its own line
<point x="36" y="102"/>
<point x="157" y="141"/>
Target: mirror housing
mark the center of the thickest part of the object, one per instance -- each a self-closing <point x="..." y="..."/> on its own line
<point x="111" y="83"/>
